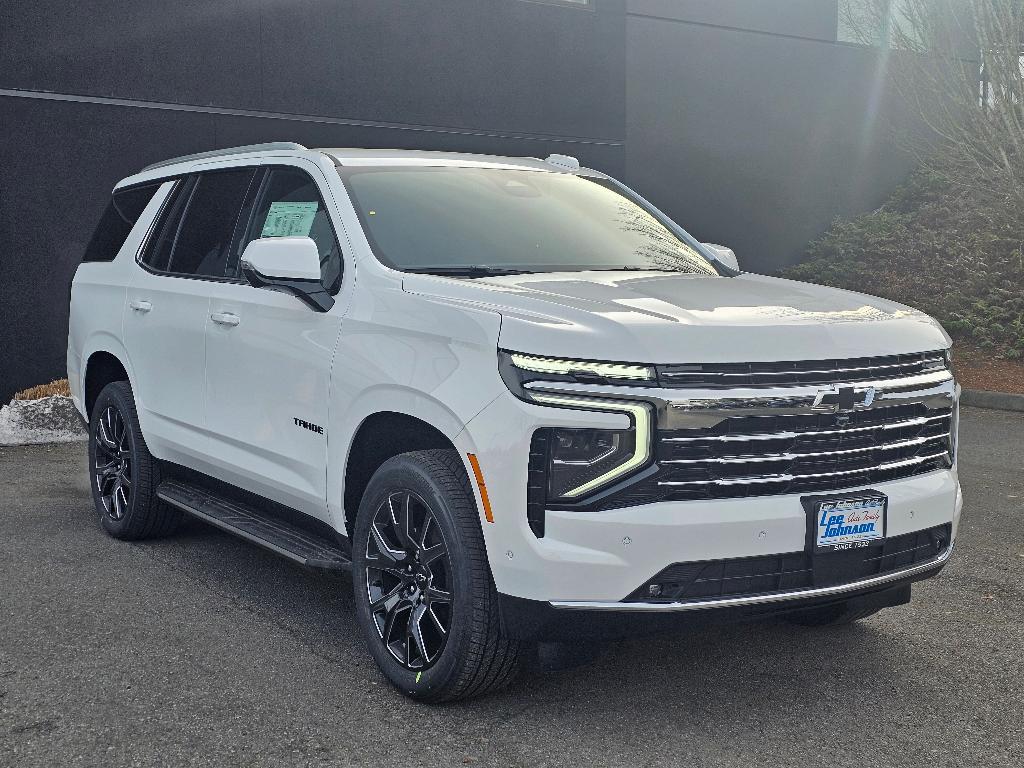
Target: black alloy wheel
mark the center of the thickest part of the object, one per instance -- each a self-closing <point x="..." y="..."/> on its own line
<point x="112" y="473"/>
<point x="424" y="595"/>
<point x="123" y="473"/>
<point x="409" y="580"/>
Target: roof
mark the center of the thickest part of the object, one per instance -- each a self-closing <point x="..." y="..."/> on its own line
<point x="415" y="157"/>
<point x="356" y="157"/>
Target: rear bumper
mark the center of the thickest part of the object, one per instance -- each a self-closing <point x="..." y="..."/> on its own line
<point x="595" y="620"/>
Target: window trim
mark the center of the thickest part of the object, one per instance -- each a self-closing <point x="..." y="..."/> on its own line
<point x="268" y="169"/>
<point x="259" y="179"/>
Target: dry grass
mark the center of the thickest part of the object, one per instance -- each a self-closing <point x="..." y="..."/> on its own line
<point x="58" y="387"/>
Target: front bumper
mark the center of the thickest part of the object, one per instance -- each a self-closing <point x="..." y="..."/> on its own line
<point x="602" y="556"/>
<point x="532" y="620"/>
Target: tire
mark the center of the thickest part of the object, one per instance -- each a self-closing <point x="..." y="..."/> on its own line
<point x="437" y="649"/>
<point x="835" y="615"/>
<point x="122" y="473"/>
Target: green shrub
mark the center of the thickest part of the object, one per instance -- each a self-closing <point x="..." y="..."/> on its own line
<point x="952" y="251"/>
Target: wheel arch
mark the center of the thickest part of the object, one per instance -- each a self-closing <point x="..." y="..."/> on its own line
<point x="380" y="436"/>
<point x="101" y="368"/>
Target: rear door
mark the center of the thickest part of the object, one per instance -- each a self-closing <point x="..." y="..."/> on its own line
<point x="269" y="355"/>
<point x="168" y="309"/>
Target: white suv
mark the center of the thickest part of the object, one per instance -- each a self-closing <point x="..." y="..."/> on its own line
<point x="515" y="399"/>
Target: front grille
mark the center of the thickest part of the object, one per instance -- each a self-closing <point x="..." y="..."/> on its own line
<point x="743" y="456"/>
<point x="790" y="373"/>
<point x="750" y="576"/>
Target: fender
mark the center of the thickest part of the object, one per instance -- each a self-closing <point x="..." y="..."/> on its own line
<point x="103" y="341"/>
<point x="392" y="399"/>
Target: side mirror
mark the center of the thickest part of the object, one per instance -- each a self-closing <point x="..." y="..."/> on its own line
<point x="725" y="255"/>
<point x="287" y="264"/>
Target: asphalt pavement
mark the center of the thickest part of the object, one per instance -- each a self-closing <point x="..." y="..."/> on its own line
<point x="203" y="650"/>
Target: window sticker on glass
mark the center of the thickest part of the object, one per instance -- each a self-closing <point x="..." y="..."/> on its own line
<point x="289" y="219"/>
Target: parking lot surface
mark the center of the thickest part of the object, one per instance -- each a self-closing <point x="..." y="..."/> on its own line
<point x="203" y="650"/>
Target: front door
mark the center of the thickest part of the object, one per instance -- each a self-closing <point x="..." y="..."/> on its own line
<point x="269" y="358"/>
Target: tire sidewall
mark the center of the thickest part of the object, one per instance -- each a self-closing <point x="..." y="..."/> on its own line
<point x="112" y="395"/>
<point x="398" y="474"/>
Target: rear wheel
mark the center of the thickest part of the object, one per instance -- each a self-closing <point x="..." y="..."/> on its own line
<point x="123" y="473"/>
<point x="424" y="594"/>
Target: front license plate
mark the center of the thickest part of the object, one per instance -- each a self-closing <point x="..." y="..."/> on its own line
<point x="849" y="523"/>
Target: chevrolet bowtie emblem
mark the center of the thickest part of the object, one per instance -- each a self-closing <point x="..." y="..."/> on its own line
<point x="843" y="399"/>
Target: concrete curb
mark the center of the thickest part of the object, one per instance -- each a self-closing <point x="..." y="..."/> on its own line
<point x="999" y="401"/>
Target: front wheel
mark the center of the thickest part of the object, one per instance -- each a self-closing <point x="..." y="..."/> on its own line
<point x="424" y="594"/>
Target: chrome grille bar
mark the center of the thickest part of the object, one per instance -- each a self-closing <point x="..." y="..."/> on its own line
<point x="786" y="478"/>
<point x="788" y="435"/>
<point x="801" y="372"/>
<point x="724" y="374"/>
<point x="915" y="442"/>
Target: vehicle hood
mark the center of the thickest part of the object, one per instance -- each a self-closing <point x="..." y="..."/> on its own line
<point x="657" y="317"/>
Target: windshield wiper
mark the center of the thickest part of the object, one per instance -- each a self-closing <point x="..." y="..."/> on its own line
<point x="467" y="270"/>
<point x="633" y="269"/>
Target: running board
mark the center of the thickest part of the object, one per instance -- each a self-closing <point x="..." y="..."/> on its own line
<point x="255" y="525"/>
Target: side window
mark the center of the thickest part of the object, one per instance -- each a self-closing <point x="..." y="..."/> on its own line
<point x="123" y="210"/>
<point x="290" y="204"/>
<point x="158" y="250"/>
<point x="204" y="238"/>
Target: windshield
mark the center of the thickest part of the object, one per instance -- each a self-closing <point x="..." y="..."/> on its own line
<point x="480" y="221"/>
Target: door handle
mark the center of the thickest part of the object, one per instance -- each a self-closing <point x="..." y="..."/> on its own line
<point x="141" y="306"/>
<point x="225" y="318"/>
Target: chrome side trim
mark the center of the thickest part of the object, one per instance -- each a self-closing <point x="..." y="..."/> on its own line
<point x="773" y="597"/>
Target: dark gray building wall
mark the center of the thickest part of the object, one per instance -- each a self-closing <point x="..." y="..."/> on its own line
<point x="89" y="93"/>
<point x="754" y="127"/>
<point x="744" y="119"/>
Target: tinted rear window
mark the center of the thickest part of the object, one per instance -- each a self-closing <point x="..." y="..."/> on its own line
<point x="123" y="210"/>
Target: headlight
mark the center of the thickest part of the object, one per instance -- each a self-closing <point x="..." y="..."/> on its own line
<point x="937" y="361"/>
<point x="580" y="461"/>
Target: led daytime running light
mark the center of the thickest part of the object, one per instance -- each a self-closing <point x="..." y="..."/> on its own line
<point x="570" y="367"/>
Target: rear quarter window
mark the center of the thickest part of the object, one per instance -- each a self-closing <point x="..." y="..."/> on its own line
<point x="120" y="215"/>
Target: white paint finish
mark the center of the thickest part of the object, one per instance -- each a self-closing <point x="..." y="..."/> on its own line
<point x="222" y="370"/>
<point x="98" y="300"/>
<point x="269" y="369"/>
<point x="167" y="345"/>
<point x="289" y="258"/>
<point x="409" y="355"/>
<point x="652" y="317"/>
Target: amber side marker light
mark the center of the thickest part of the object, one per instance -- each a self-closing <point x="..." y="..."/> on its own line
<point x="482" y="486"/>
